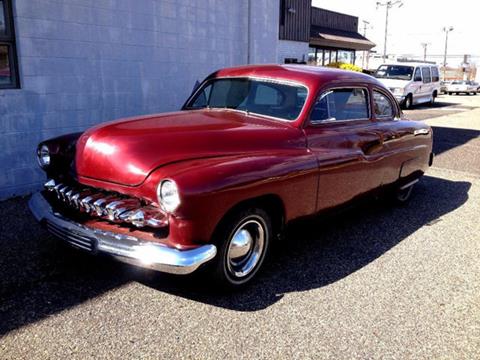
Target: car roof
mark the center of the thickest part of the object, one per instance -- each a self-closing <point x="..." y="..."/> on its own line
<point x="412" y="64"/>
<point x="303" y="74"/>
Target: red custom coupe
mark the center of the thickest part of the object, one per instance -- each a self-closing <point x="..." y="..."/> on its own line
<point x="214" y="184"/>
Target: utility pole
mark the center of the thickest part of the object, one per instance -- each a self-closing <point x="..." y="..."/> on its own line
<point x="365" y="53"/>
<point x="446" y="29"/>
<point x="424" y="45"/>
<point x="388" y="5"/>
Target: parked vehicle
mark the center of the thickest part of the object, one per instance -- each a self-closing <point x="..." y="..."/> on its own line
<point x="462" y="86"/>
<point x="411" y="83"/>
<point x="214" y="184"/>
<point x="443" y="86"/>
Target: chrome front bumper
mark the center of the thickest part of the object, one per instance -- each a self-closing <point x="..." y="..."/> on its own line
<point x="125" y="248"/>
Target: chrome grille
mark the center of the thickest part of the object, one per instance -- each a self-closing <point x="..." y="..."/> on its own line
<point x="109" y="206"/>
<point x="72" y="238"/>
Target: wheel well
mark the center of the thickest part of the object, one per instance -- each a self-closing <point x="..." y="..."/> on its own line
<point x="271" y="203"/>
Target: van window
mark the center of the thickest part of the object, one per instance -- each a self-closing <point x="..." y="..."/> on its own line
<point x="399" y="72"/>
<point x="427" y="78"/>
<point x="341" y="104"/>
<point x="435" y="74"/>
<point x="418" y="75"/>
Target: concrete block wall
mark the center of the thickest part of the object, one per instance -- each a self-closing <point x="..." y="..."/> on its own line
<point x="83" y="62"/>
<point x="292" y="49"/>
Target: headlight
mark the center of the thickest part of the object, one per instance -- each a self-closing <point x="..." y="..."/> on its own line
<point x="43" y="156"/>
<point x="398" y="91"/>
<point x="168" y="196"/>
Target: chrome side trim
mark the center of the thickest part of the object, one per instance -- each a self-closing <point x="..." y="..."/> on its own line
<point x="125" y="248"/>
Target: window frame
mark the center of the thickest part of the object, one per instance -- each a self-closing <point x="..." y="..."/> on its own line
<point x="8" y="40"/>
<point x="324" y="91"/>
<point x="392" y="104"/>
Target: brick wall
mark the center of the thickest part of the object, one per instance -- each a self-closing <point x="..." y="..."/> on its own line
<point x="83" y="62"/>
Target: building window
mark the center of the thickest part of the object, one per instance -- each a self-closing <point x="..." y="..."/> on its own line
<point x="8" y="56"/>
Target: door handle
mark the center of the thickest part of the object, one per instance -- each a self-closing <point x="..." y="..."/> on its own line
<point x="373" y="146"/>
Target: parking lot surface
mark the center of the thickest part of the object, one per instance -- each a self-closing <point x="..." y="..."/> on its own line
<point x="376" y="281"/>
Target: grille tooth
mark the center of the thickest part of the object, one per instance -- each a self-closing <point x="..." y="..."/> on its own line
<point x="87" y="202"/>
<point x="100" y="205"/>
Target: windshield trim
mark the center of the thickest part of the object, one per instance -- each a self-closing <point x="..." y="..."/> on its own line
<point x="258" y="78"/>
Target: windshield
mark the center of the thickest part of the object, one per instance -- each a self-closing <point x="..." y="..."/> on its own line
<point x="459" y="83"/>
<point x="398" y="72"/>
<point x="284" y="101"/>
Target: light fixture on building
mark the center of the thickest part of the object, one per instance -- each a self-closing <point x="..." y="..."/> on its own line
<point x="291" y="10"/>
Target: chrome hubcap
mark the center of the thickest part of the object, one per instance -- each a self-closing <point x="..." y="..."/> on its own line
<point x="246" y="248"/>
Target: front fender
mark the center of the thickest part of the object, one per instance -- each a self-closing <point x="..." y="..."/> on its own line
<point x="211" y="187"/>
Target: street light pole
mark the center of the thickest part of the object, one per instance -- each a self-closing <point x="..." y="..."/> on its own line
<point x="365" y="25"/>
<point x="388" y="5"/>
<point x="424" y="45"/>
<point x="447" y="30"/>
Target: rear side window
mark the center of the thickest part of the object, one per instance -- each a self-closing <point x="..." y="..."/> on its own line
<point x="382" y="106"/>
<point x="427" y="78"/>
<point x="340" y="105"/>
<point x="435" y="74"/>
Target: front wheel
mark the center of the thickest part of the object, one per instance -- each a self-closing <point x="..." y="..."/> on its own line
<point x="407" y="104"/>
<point x="243" y="242"/>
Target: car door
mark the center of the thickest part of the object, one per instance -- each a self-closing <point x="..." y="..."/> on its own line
<point x="347" y="145"/>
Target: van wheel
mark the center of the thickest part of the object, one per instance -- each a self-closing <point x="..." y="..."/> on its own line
<point x="432" y="101"/>
<point x="449" y="93"/>
<point x="407" y="104"/>
<point x="243" y="242"/>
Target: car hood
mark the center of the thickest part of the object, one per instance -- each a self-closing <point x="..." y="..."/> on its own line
<point x="394" y="83"/>
<point x="127" y="151"/>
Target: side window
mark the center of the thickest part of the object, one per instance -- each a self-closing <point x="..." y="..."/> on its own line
<point x="341" y="104"/>
<point x="427" y="78"/>
<point x="418" y="75"/>
<point x="435" y="74"/>
<point x="382" y="106"/>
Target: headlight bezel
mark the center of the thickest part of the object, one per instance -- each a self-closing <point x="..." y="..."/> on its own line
<point x="162" y="193"/>
<point x="44" y="156"/>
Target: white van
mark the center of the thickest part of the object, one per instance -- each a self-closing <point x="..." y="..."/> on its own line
<point x="411" y="83"/>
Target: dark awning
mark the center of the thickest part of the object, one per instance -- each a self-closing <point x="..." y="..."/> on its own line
<point x="322" y="36"/>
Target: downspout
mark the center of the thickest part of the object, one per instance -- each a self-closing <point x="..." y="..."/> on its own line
<point x="249" y="31"/>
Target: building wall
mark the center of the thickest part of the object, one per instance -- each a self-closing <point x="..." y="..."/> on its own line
<point x="83" y="62"/>
<point x="292" y="49"/>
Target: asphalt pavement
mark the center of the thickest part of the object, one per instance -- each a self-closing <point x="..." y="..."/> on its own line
<point x="375" y="281"/>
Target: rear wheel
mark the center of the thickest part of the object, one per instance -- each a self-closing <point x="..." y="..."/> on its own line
<point x="243" y="242"/>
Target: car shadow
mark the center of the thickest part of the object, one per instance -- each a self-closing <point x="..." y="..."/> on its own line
<point x="321" y="251"/>
<point x="445" y="138"/>
<point x="40" y="277"/>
